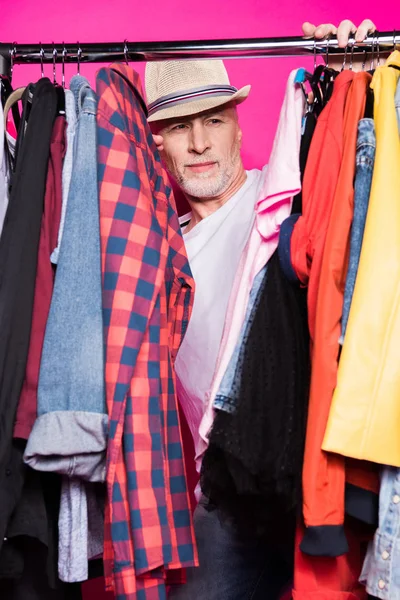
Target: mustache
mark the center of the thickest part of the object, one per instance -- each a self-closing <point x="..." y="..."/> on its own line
<point x="204" y="159"/>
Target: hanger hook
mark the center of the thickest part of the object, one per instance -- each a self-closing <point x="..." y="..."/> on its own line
<point x="315" y="54"/>
<point x="41" y="59"/>
<point x="352" y="51"/>
<point x="345" y="55"/>
<point x="372" y="51"/>
<point x="79" y="56"/>
<point x="365" y="59"/>
<point x="13" y="52"/>
<point x="64" y="55"/>
<point x="394" y="39"/>
<point x="126" y="52"/>
<point x="378" y="43"/>
<point x="55" y="53"/>
<point x="327" y="51"/>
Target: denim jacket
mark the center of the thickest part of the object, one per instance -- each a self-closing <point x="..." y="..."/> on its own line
<point x="365" y="158"/>
<point x="226" y="398"/>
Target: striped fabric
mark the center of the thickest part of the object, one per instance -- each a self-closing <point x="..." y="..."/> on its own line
<point x="209" y="91"/>
<point x="147" y="300"/>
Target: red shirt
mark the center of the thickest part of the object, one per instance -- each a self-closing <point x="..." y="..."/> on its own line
<point x="27" y="406"/>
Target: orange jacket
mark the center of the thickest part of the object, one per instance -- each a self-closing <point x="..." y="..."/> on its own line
<point x="320" y="178"/>
<point x="323" y="473"/>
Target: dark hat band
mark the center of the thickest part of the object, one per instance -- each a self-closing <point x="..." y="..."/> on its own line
<point x="209" y="91"/>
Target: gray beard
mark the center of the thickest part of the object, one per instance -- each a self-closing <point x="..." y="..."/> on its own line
<point x="206" y="188"/>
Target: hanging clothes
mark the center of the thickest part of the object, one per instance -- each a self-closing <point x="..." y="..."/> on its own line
<point x="282" y="182"/>
<point x="18" y="259"/>
<point x="309" y="233"/>
<point x="70" y="115"/>
<point x="27" y="404"/>
<point x="365" y="409"/>
<point x="380" y="570"/>
<point x="228" y="394"/>
<point x="323" y="474"/>
<point x="379" y="573"/>
<point x="252" y="467"/>
<point x="397" y="103"/>
<point x="4" y="171"/>
<point x="366" y="144"/>
<point x="70" y="434"/>
<point x="147" y="300"/>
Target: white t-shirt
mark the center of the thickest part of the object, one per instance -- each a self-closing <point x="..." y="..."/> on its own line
<point x="214" y="248"/>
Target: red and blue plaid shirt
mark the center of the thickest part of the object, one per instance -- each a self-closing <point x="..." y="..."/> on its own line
<point x="147" y="299"/>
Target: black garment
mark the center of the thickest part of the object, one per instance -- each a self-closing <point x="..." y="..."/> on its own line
<point x="37" y="513"/>
<point x="33" y="583"/>
<point x="252" y="467"/>
<point x="18" y="259"/>
<point x="369" y="104"/>
<point x="310" y="122"/>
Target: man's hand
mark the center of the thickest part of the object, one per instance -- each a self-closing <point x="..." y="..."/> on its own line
<point x="342" y="32"/>
<point x="159" y="140"/>
<point x="343" y="35"/>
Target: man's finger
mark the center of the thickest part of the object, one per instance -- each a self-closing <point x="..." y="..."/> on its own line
<point x="159" y="141"/>
<point x="325" y="30"/>
<point x="345" y="29"/>
<point x="308" y="29"/>
<point x="366" y="27"/>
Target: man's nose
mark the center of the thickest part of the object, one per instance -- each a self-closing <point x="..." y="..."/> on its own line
<point x="199" y="141"/>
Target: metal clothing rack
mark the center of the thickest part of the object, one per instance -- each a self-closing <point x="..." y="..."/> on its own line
<point x="14" y="53"/>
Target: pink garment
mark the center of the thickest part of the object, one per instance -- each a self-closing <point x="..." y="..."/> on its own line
<point x="282" y="182"/>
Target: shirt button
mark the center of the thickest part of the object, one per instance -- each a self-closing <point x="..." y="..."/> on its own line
<point x="385" y="555"/>
<point x="381" y="584"/>
<point x="396" y="499"/>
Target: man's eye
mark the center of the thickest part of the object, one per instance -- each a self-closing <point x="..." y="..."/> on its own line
<point x="215" y="121"/>
<point x="179" y="127"/>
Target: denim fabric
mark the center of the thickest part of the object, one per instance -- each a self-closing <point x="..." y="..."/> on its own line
<point x="70" y="115"/>
<point x="70" y="434"/>
<point x="365" y="158"/>
<point x="234" y="568"/>
<point x="226" y="398"/>
<point x="381" y="571"/>
<point x="397" y="103"/>
<point x="285" y="235"/>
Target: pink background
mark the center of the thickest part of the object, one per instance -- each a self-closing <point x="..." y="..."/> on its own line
<point x="115" y="20"/>
<point x="158" y="20"/>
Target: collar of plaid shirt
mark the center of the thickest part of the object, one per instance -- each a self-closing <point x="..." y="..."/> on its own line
<point x="147" y="299"/>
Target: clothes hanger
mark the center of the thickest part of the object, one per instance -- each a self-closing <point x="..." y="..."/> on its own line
<point x="55" y="53"/>
<point x="126" y="52"/>
<point x="64" y="55"/>
<point x="7" y="89"/>
<point x="12" y="100"/>
<point x="79" y="56"/>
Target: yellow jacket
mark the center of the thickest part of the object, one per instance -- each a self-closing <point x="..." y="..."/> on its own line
<point x="364" y="419"/>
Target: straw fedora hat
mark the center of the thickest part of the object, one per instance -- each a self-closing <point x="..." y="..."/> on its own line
<point x="178" y="88"/>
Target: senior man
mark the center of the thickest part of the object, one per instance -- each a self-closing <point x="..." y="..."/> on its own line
<point x="194" y="119"/>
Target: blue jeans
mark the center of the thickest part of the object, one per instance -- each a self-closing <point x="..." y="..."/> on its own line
<point x="233" y="568"/>
<point x="365" y="159"/>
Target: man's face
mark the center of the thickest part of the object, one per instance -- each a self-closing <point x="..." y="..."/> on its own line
<point x="202" y="152"/>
